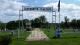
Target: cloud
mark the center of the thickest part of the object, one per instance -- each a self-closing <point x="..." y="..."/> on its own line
<point x="10" y="9"/>
<point x="63" y="6"/>
<point x="69" y="10"/>
<point x="32" y="15"/>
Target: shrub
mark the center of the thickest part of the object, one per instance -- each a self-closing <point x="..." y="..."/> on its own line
<point x="5" y="40"/>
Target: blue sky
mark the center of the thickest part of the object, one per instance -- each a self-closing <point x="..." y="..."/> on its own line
<point x="42" y="2"/>
<point x="10" y="9"/>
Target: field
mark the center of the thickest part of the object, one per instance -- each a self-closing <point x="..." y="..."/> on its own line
<point x="15" y="40"/>
<point x="64" y="41"/>
<point x="21" y="39"/>
<point x="67" y="38"/>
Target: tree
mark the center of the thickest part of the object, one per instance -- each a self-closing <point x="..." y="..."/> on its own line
<point x="12" y="25"/>
<point x="36" y="23"/>
<point x="62" y="25"/>
<point x="39" y="22"/>
<point x="43" y="19"/>
<point x="78" y="24"/>
<point x="66" y="22"/>
<point x="25" y="21"/>
<point x="2" y="25"/>
<point x="73" y="24"/>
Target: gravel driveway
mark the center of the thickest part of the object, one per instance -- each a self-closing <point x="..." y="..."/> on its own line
<point x="37" y="34"/>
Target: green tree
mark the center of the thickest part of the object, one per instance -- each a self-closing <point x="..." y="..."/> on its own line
<point x="2" y="25"/>
<point x="39" y="22"/>
<point x="74" y="24"/>
<point x="12" y="25"/>
<point x="43" y="19"/>
<point x="66" y="22"/>
<point x="78" y="24"/>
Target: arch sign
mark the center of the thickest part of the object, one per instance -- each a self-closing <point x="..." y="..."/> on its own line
<point x="27" y="8"/>
<point x="46" y="9"/>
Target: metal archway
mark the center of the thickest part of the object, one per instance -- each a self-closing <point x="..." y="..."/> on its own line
<point x="44" y="9"/>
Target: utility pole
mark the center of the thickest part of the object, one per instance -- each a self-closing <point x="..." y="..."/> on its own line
<point x="19" y="24"/>
<point x="20" y="21"/>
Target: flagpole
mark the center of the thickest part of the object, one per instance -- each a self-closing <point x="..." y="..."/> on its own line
<point x="59" y="12"/>
<point x="59" y="19"/>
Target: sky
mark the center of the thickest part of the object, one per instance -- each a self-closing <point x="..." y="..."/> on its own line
<point x="9" y="9"/>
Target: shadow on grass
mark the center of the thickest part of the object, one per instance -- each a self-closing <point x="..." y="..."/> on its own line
<point x="64" y="37"/>
<point x="5" y="40"/>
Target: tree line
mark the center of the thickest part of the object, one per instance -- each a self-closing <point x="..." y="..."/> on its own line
<point x="73" y="24"/>
<point x="40" y="22"/>
<point x="35" y="23"/>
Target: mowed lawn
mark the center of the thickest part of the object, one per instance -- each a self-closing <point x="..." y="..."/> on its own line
<point x="64" y="41"/>
<point x="4" y="33"/>
<point x="66" y="38"/>
<point x="72" y="38"/>
<point x="15" y="40"/>
<point x="64" y="34"/>
<point x="21" y="39"/>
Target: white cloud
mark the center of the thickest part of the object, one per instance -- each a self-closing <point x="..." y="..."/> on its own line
<point x="32" y="15"/>
<point x="9" y="9"/>
<point x="69" y="10"/>
<point x="63" y="5"/>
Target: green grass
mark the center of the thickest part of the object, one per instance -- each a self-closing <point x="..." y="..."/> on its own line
<point x="15" y="40"/>
<point x="18" y="42"/>
<point x="22" y="35"/>
<point x="66" y="38"/>
<point x="64" y="33"/>
<point x="4" y="33"/>
<point x="21" y="39"/>
<point x="64" y="41"/>
<point x="50" y="34"/>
